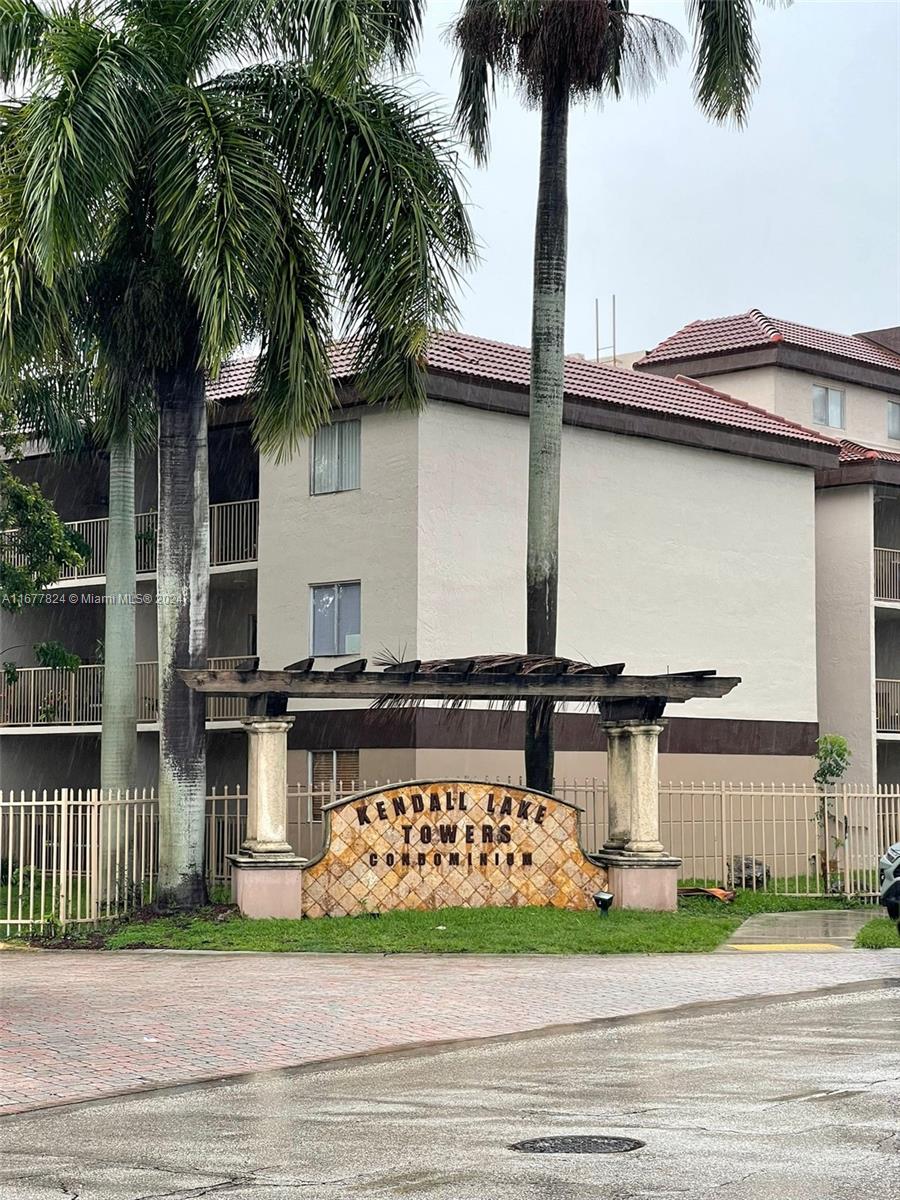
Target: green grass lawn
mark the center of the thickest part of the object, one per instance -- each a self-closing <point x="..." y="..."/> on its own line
<point x="701" y="924"/>
<point x="448" y="930"/>
<point x="878" y="934"/>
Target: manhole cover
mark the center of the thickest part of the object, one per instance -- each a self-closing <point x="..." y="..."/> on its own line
<point x="578" y="1145"/>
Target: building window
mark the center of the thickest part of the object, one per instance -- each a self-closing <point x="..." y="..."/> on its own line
<point x="331" y="773"/>
<point x="335" y="458"/>
<point x="828" y="407"/>
<point x="335" y="619"/>
<point x="893" y="419"/>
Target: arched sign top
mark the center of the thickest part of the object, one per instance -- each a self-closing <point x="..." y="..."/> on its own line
<point x="436" y="784"/>
<point x="447" y="843"/>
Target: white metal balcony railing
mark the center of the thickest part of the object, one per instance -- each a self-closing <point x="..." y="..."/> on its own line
<point x="49" y="696"/>
<point x="232" y="539"/>
<point x="887" y="705"/>
<point x="887" y="574"/>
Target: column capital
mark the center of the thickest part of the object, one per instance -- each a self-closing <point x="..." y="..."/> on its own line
<point x="267" y="724"/>
<point x="633" y="725"/>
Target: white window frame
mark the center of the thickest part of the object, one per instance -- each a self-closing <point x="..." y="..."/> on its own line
<point x="334" y="754"/>
<point x="893" y="407"/>
<point x="312" y="460"/>
<point x="312" y="616"/>
<point x="313" y="816"/>
<point x="829" y="391"/>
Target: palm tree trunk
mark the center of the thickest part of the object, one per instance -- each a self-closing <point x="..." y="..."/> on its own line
<point x="183" y="587"/>
<point x="118" y="740"/>
<point x="548" y="324"/>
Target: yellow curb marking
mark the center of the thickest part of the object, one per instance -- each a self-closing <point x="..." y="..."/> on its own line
<point x="783" y="946"/>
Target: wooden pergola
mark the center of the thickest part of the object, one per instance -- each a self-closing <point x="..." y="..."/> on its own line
<point x="505" y="678"/>
<point x="267" y="876"/>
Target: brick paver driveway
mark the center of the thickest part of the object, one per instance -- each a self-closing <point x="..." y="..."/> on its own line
<point x="81" y="1025"/>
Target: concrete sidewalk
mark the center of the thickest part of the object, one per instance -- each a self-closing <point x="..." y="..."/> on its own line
<point x="816" y="930"/>
<point x="84" y="1024"/>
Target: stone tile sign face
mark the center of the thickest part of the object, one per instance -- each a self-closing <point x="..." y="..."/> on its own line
<point x="441" y="844"/>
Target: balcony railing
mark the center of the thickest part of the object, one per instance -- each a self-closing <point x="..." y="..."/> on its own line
<point x="887" y="574"/>
<point x="232" y="539"/>
<point x="887" y="705"/>
<point x="49" y="696"/>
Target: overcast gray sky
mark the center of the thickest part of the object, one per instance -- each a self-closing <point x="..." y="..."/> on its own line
<point x="797" y="214"/>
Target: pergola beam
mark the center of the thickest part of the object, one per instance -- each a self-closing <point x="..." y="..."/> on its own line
<point x="446" y="685"/>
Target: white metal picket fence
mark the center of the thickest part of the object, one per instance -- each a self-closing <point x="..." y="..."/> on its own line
<point x="81" y="855"/>
<point x="75" y="855"/>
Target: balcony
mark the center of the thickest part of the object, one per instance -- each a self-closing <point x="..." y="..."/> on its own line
<point x="232" y="539"/>
<point x="48" y="696"/>
<point x="887" y="705"/>
<point x="887" y="574"/>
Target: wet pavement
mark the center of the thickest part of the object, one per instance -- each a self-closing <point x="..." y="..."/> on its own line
<point x="82" y="1024"/>
<point x="817" y="930"/>
<point x="784" y="1100"/>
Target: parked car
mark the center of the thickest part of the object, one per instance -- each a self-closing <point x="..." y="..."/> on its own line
<point x="889" y="882"/>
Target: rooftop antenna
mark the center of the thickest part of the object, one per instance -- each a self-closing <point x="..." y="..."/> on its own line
<point x="597" y="346"/>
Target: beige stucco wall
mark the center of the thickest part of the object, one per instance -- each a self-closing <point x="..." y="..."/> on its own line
<point x="670" y="557"/>
<point x="846" y="659"/>
<point x="367" y="535"/>
<point x="790" y="394"/>
<point x="575" y="766"/>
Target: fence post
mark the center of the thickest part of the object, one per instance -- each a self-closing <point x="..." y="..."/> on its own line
<point x="63" y="857"/>
<point x="723" y="842"/>
<point x="94" y="856"/>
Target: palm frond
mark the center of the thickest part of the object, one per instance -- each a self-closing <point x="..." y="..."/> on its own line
<point x="81" y="138"/>
<point x="293" y="391"/>
<point x="639" y="51"/>
<point x="483" y="48"/>
<point x="23" y="24"/>
<point x="585" y="49"/>
<point x="218" y="197"/>
<point x="379" y="178"/>
<point x="726" y="57"/>
<point x="350" y="37"/>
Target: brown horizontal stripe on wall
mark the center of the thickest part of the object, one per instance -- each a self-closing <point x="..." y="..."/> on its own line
<point x="481" y="729"/>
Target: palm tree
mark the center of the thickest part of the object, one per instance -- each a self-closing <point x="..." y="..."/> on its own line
<point x="556" y="53"/>
<point x="253" y="201"/>
<point x="81" y="405"/>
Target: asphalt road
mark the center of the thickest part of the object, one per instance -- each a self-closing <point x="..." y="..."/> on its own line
<point x="786" y="1100"/>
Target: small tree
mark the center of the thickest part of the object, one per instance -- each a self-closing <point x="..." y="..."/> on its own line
<point x="35" y="545"/>
<point x="833" y="755"/>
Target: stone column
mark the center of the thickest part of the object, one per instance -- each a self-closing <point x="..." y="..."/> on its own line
<point x="266" y="875"/>
<point x="266" y="785"/>
<point x="618" y="769"/>
<point x="644" y="771"/>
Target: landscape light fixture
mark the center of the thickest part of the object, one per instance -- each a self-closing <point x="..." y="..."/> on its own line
<point x="603" y="900"/>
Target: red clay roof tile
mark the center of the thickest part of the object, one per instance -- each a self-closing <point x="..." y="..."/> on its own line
<point x="753" y="330"/>
<point x="465" y="356"/>
<point x="854" y="452"/>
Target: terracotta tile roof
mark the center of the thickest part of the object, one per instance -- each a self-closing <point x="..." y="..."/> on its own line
<point x="233" y="382"/>
<point x="468" y="357"/>
<point x="753" y="330"/>
<point x="852" y="452"/>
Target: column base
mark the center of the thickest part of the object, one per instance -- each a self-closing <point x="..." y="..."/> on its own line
<point x="615" y="844"/>
<point x="256" y="849"/>
<point x="267" y="885"/>
<point x="654" y="849"/>
<point x="638" y="882"/>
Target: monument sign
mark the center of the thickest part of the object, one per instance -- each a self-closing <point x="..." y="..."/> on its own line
<point x="439" y="844"/>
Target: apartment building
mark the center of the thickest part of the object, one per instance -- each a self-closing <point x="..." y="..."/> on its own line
<point x="847" y="387"/>
<point x="698" y="529"/>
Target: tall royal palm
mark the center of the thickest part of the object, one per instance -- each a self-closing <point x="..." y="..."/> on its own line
<point x="266" y="172"/>
<point x="80" y="404"/>
<point x="556" y="53"/>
